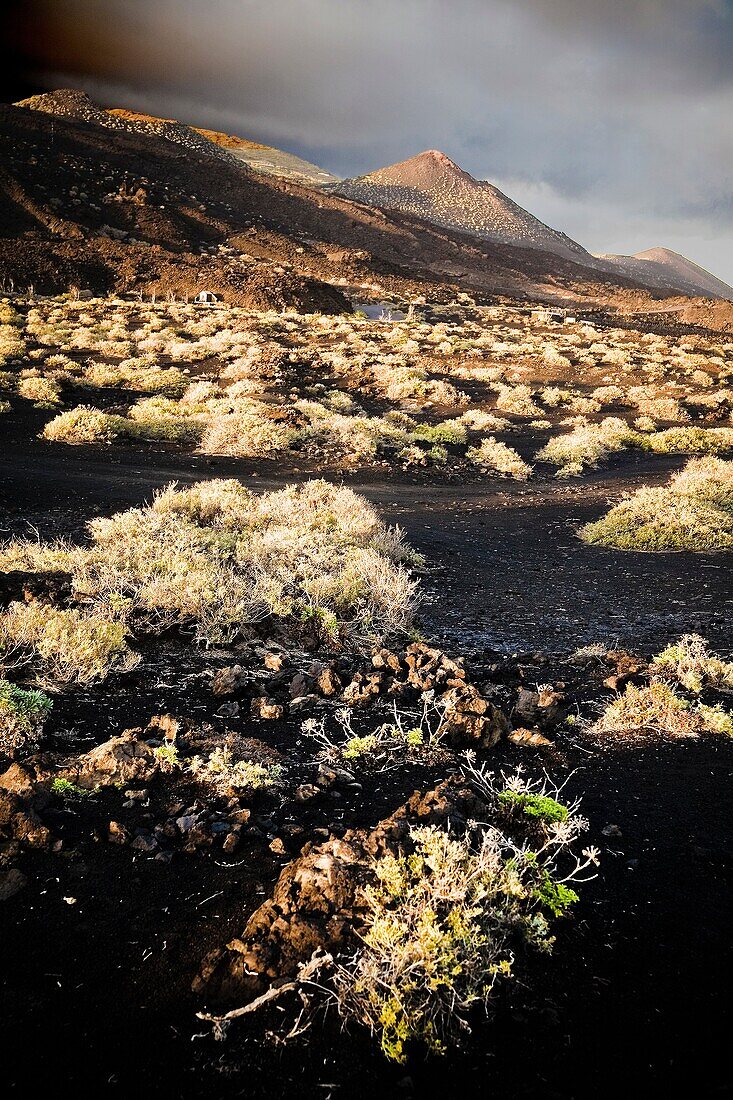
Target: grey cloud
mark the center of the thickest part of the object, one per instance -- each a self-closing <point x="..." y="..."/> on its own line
<point x="623" y="110"/>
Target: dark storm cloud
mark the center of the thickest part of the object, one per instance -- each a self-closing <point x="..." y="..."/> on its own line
<point x="614" y="116"/>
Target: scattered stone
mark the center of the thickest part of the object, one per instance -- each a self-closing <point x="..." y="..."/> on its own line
<point x="166" y="725"/>
<point x="137" y="796"/>
<point x="198" y="837"/>
<point x="231" y="841"/>
<point x="470" y="720"/>
<point x="124" y="759"/>
<point x="262" y="707"/>
<point x="19" y="779"/>
<point x="538" y="708"/>
<point x="303" y="703"/>
<point x="326" y="776"/>
<point x="228" y="710"/>
<point x="531" y="738"/>
<point x="430" y="669"/>
<point x="300" y="686"/>
<point x="385" y="658"/>
<point x="328" y="681"/>
<point x="612" y="831"/>
<point x="229" y="680"/>
<point x="20" y="821"/>
<point x="363" y="689"/>
<point x="12" y="882"/>
<point x="306" y="791"/>
<point x="144" y="843"/>
<point x="117" y="833"/>
<point x="627" y="667"/>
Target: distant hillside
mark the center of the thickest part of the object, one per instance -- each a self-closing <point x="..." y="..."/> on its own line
<point x="107" y="203"/>
<point x="69" y="103"/>
<point x="661" y="267"/>
<point x="276" y="162"/>
<point x="432" y="186"/>
<point x="429" y="187"/>
<point x="210" y="143"/>
<point x="263" y="158"/>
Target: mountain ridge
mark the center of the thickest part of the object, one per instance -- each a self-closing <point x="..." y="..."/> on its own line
<point x="663" y="267"/>
<point x="429" y="186"/>
<point x="122" y="207"/>
<point x="432" y="186"/>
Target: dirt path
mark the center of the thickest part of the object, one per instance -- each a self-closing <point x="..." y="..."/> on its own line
<point x="507" y="569"/>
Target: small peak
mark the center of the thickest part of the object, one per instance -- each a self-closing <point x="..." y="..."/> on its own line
<point x="441" y="158"/>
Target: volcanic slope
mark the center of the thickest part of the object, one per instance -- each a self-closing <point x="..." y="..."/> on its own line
<point x="113" y="208"/>
<point x="432" y="186"/>
<point x="269" y="159"/>
<point x="262" y="158"/>
<point x="661" y="267"/>
<point x="71" y="103"/>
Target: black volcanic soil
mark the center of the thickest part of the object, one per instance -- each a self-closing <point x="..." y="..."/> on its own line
<point x="506" y="568"/>
<point x="95" y="990"/>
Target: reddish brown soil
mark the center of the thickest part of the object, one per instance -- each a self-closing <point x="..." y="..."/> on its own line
<point x="162" y="188"/>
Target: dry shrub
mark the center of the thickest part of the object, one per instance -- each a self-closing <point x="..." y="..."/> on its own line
<point x="655" y="405"/>
<point x="517" y="399"/>
<point x="477" y="420"/>
<point x="247" y="432"/>
<point x="657" y="709"/>
<point x="84" y="425"/>
<point x="44" y="392"/>
<point x="694" y="512"/>
<point x="165" y="419"/>
<point x="493" y="455"/>
<point x="586" y="445"/>
<point x="137" y="375"/>
<point x="63" y="647"/>
<point x="217" y="558"/>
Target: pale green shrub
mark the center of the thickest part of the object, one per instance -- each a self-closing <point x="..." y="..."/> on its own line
<point x="22" y="714"/>
<point x="586" y="445"/>
<point x="493" y="455"/>
<point x="84" y="425"/>
<point x="444" y="918"/>
<point x="690" y="662"/>
<point x="656" y="708"/>
<point x="63" y="647"/>
<point x="694" y="512"/>
<point x="689" y="440"/>
<point x="227" y="776"/>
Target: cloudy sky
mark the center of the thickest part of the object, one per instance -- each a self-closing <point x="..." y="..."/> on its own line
<point x="609" y="119"/>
